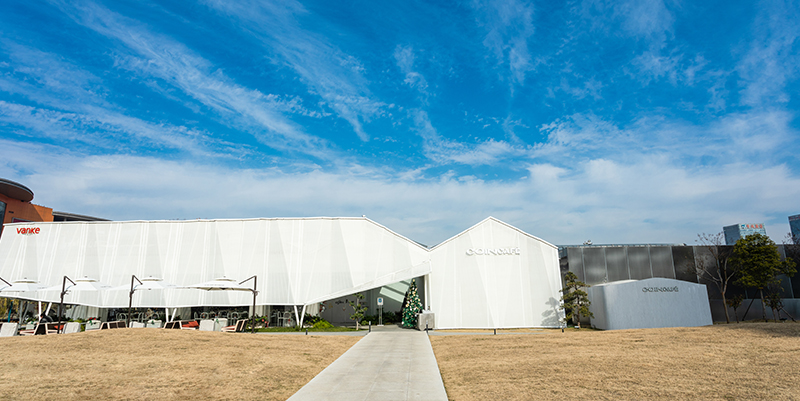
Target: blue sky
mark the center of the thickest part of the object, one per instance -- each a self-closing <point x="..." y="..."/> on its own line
<point x="620" y="122"/>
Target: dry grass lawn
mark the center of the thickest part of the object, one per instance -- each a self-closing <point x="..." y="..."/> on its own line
<point x="727" y="362"/>
<point x="163" y="364"/>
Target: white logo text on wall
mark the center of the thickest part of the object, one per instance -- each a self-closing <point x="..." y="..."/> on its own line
<point x="493" y="251"/>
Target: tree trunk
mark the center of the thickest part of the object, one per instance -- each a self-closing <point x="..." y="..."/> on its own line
<point x="725" y="306"/>
<point x="763" y="304"/>
<point x="748" y="308"/>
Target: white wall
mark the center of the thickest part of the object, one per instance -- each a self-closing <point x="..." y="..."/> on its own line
<point x="473" y="285"/>
<point x="649" y="303"/>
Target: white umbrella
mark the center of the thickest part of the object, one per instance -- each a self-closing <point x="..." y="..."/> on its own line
<point x="154" y="283"/>
<point x="20" y="288"/>
<point x="82" y="284"/>
<point x="221" y="284"/>
<point x="147" y="283"/>
<point x="23" y="285"/>
<point x="229" y="284"/>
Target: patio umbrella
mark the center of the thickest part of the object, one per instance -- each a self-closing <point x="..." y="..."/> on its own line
<point x="229" y="284"/>
<point x="22" y="286"/>
<point x="147" y="283"/>
<point x="82" y="284"/>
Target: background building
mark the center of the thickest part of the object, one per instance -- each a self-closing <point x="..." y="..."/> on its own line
<point x="794" y="225"/>
<point x="599" y="264"/>
<point x="16" y="207"/>
<point x="736" y="231"/>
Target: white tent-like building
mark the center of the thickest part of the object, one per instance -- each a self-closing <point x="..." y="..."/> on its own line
<point x="494" y="275"/>
<point x="298" y="261"/>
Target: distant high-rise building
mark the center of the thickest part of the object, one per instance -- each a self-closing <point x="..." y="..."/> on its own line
<point x="794" y="225"/>
<point x="736" y="231"/>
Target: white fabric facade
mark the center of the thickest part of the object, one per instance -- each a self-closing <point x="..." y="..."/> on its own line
<point x="513" y="281"/>
<point x="296" y="261"/>
<point x="494" y="275"/>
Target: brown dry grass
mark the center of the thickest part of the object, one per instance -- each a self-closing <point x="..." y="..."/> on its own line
<point x="726" y="362"/>
<point x="163" y="364"/>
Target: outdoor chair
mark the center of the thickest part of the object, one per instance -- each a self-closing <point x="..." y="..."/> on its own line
<point x="237" y="328"/>
<point x="182" y="325"/>
<point x="189" y="325"/>
<point x="72" y="327"/>
<point x="113" y="325"/>
<point x="41" y="329"/>
<point x="206" y="325"/>
<point x="9" y="329"/>
<point x="153" y="323"/>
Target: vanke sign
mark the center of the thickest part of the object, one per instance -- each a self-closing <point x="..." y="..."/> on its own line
<point x="493" y="251"/>
<point x="28" y="230"/>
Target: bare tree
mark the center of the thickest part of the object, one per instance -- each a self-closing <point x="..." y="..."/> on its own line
<point x="717" y="269"/>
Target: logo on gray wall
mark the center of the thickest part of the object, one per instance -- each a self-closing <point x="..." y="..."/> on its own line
<point x="660" y="289"/>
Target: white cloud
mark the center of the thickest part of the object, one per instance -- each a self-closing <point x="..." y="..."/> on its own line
<point x="154" y="55"/>
<point x="772" y="60"/>
<point x="444" y="151"/>
<point x="647" y="199"/>
<point x="334" y="75"/>
<point x="509" y="26"/>
<point x="72" y="106"/>
<point x="754" y="136"/>
<point x="404" y="56"/>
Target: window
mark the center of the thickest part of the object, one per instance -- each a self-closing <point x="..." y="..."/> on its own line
<point x="2" y="215"/>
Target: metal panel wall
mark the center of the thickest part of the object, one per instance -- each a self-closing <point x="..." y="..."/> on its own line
<point x="616" y="264"/>
<point x="683" y="260"/>
<point x="639" y="262"/>
<point x="661" y="260"/>
<point x="594" y="265"/>
<point x="575" y="260"/>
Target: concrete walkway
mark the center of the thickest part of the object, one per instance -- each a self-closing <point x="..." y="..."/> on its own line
<point x="384" y="365"/>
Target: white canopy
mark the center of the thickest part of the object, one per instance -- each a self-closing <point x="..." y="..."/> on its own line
<point x="297" y="261"/>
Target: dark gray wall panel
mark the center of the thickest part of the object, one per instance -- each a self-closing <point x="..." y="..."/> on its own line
<point x="639" y="262"/>
<point x="575" y="259"/>
<point x="594" y="265"/>
<point x="683" y="257"/>
<point x="661" y="260"/>
<point x="616" y="264"/>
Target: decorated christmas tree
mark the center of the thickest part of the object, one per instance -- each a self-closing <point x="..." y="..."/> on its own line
<point x="411" y="306"/>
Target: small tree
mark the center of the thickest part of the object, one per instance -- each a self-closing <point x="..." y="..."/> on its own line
<point x="717" y="270"/>
<point x="775" y="301"/>
<point x="358" y="310"/>
<point x="575" y="301"/>
<point x="411" y="306"/>
<point x="735" y="302"/>
<point x="760" y="264"/>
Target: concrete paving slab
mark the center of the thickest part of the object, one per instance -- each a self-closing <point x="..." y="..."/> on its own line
<point x="392" y="365"/>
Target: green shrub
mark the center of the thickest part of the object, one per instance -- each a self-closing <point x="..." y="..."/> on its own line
<point x="311" y="319"/>
<point x="322" y="324"/>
